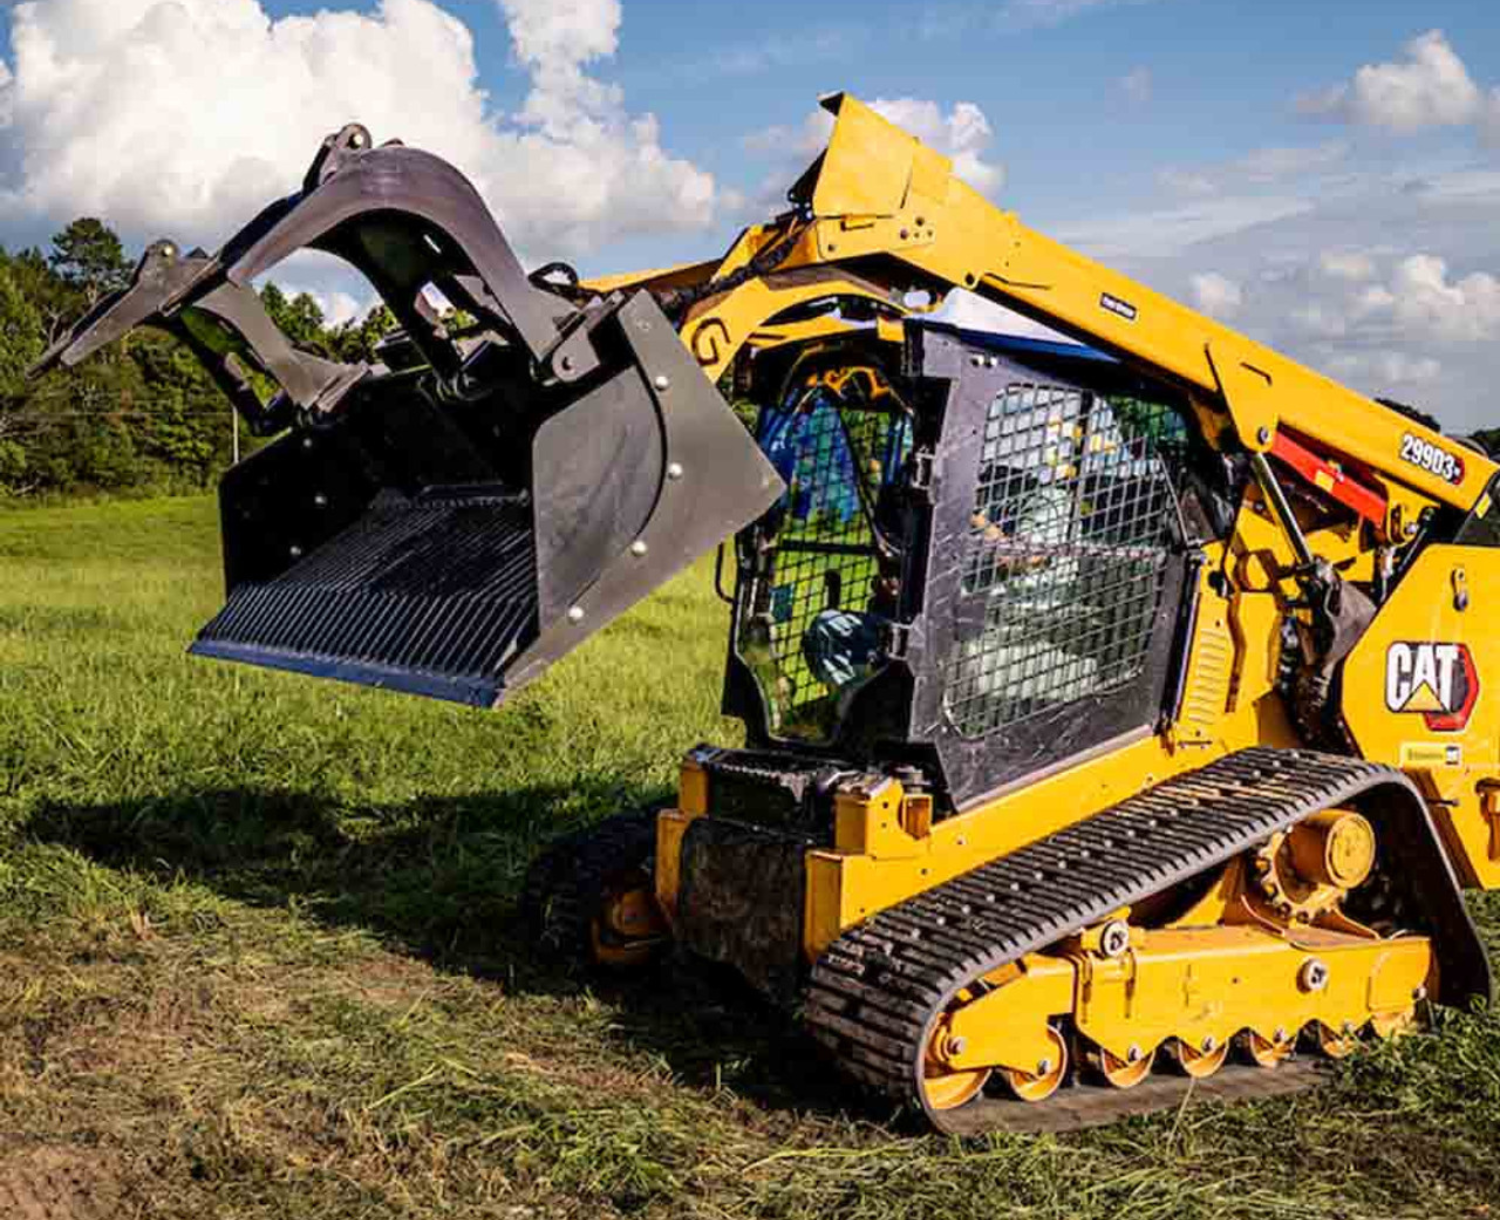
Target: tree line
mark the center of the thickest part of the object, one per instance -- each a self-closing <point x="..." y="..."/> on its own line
<point x="141" y="416"/>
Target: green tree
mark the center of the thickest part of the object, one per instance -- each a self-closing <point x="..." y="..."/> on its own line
<point x="21" y="343"/>
<point x="88" y="257"/>
<point x="299" y="317"/>
<point x="355" y="341"/>
<point x="21" y="337"/>
<point x="56" y="304"/>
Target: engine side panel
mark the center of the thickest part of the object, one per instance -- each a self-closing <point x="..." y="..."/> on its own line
<point x="1417" y="696"/>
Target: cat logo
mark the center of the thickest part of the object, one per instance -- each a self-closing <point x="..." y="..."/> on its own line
<point x="1436" y="680"/>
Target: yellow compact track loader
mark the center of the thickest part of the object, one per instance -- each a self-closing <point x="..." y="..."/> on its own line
<point x="1116" y="711"/>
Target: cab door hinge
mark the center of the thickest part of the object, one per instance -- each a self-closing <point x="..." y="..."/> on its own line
<point x="896" y="642"/>
<point x="922" y="463"/>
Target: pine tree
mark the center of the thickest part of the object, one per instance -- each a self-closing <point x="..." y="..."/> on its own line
<point x="88" y="257"/>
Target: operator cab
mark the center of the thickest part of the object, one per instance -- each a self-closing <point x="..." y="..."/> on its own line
<point x="1055" y="481"/>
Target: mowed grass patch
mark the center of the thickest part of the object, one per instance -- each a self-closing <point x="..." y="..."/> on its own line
<point x="258" y="959"/>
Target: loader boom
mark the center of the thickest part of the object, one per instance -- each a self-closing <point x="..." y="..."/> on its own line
<point x="883" y="216"/>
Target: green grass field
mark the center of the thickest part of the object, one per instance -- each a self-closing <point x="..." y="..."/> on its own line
<point x="258" y="959"/>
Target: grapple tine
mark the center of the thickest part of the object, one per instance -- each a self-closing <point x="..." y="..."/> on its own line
<point x="161" y="275"/>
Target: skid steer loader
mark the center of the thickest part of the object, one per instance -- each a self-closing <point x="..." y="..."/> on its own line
<point x="1115" y="710"/>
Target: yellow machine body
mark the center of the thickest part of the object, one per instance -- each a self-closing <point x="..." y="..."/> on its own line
<point x="887" y="219"/>
<point x="1119" y="702"/>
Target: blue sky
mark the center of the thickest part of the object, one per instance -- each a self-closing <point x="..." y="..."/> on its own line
<point x="1306" y="171"/>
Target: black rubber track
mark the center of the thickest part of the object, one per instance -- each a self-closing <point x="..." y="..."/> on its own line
<point x="566" y="883"/>
<point x="877" y="990"/>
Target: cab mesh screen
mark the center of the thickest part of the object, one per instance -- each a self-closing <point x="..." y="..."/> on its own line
<point x="810" y="627"/>
<point x="1067" y="553"/>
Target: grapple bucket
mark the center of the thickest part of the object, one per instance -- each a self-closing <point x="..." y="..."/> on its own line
<point x="401" y="546"/>
<point x="453" y="528"/>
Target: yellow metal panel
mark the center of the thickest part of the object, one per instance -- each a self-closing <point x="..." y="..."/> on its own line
<point x="1249" y="392"/>
<point x="692" y="788"/>
<point x="838" y="239"/>
<point x="1407" y="679"/>
<point x="1007" y="1027"/>
<point x="1210" y="669"/>
<point x="822" y="916"/>
<point x="676" y="276"/>
<point x="867" y="166"/>
<point x="995" y="828"/>
<point x="873" y="823"/>
<point x="717" y="329"/>
<point x="671" y="826"/>
<point x="1211" y="984"/>
<point x="930" y="176"/>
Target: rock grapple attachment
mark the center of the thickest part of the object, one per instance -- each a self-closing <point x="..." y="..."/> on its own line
<point x="449" y="529"/>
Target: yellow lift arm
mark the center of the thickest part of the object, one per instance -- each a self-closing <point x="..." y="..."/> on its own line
<point x="884" y="216"/>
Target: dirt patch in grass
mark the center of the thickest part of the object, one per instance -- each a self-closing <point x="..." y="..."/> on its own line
<point x="59" y="1182"/>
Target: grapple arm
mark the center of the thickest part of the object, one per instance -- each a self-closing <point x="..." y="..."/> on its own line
<point x="224" y="325"/>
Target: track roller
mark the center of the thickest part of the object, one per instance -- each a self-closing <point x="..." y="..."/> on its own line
<point x="1266" y="1052"/>
<point x="1050" y="1072"/>
<point x="1201" y="1061"/>
<point x="1119" y="1073"/>
<point x="1336" y="1043"/>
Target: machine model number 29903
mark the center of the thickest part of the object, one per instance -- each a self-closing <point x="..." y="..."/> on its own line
<point x="1431" y="458"/>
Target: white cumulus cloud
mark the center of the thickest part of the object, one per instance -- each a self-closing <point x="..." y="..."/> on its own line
<point x="1216" y="295"/>
<point x="183" y="117"/>
<point x="336" y="306"/>
<point x="1431" y="87"/>
<point x="1426" y="302"/>
<point x="1352" y="265"/>
<point x="1387" y="369"/>
<point x="963" y="133"/>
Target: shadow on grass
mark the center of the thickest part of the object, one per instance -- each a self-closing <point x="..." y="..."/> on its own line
<point x="439" y="879"/>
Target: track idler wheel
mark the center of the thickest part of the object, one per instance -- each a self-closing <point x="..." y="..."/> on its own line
<point x="946" y="1087"/>
<point x="589" y="897"/>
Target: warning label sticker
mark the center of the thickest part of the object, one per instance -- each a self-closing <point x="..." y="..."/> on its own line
<point x="1427" y="755"/>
